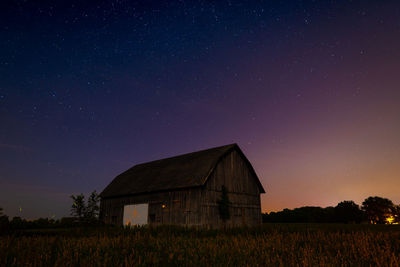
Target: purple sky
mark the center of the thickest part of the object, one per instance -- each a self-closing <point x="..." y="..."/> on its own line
<point x="309" y="90"/>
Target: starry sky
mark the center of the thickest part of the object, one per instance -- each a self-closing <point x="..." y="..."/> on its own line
<point x="308" y="89"/>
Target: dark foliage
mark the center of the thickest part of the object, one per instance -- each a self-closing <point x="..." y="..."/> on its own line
<point x="4" y="223"/>
<point x="85" y="212"/>
<point x="18" y="223"/>
<point x="374" y="209"/>
<point x="396" y="214"/>
<point x="302" y="215"/>
<point x="378" y="209"/>
<point x="78" y="208"/>
<point x="348" y="212"/>
<point x="92" y="207"/>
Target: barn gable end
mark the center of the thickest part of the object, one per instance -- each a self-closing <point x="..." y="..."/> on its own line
<point x="234" y="172"/>
<point x="243" y="187"/>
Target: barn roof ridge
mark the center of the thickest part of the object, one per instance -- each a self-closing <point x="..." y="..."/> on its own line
<point x="182" y="171"/>
<point x="245" y="160"/>
<point x="187" y="154"/>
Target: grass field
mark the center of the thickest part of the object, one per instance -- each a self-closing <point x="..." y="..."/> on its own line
<point x="268" y="245"/>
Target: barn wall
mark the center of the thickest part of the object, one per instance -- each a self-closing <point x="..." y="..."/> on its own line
<point x="198" y="206"/>
<point x="181" y="207"/>
<point x="243" y="193"/>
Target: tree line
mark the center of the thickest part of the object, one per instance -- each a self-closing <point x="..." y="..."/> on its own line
<point x="83" y="213"/>
<point x="375" y="210"/>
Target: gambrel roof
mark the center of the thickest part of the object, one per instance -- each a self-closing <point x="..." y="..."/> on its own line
<point x="183" y="171"/>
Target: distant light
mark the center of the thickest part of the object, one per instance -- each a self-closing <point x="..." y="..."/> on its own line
<point x="390" y="220"/>
<point x="163" y="206"/>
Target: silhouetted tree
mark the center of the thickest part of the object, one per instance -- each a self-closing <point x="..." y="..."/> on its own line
<point x="78" y="208"/>
<point x="3" y="220"/>
<point x="348" y="211"/>
<point x="18" y="223"/>
<point x="86" y="212"/>
<point x="302" y="215"/>
<point x="223" y="205"/>
<point x="396" y="213"/>
<point x="377" y="209"/>
<point x="92" y="208"/>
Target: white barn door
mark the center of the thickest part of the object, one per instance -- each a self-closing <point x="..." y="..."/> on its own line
<point x="136" y="214"/>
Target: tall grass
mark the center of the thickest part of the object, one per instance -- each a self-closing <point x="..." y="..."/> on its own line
<point x="269" y="245"/>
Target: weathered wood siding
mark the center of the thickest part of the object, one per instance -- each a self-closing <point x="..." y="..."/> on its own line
<point x="175" y="207"/>
<point x="243" y="192"/>
<point x="198" y="206"/>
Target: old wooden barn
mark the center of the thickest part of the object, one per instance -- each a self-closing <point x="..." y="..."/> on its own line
<point x="185" y="190"/>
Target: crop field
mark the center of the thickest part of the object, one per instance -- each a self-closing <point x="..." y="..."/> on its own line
<point x="267" y="245"/>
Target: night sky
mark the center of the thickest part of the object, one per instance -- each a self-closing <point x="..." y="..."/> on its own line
<point x="310" y="91"/>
